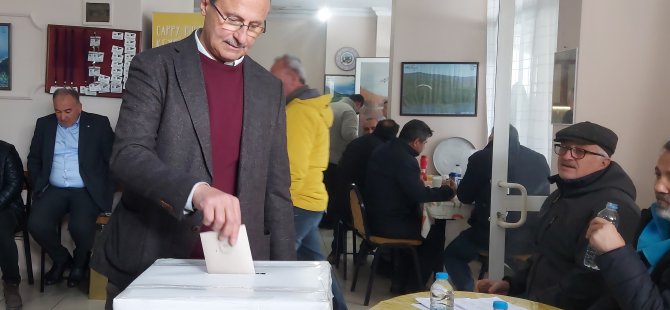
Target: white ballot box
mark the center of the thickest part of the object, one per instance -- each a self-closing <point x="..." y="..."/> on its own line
<point x="185" y="284"/>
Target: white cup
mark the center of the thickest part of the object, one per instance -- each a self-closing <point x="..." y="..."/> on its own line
<point x="437" y="181"/>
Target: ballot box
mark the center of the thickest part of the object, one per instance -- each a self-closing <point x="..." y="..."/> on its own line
<point x="185" y="284"/>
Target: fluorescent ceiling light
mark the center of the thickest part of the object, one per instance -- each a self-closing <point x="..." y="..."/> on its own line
<point x="323" y="14"/>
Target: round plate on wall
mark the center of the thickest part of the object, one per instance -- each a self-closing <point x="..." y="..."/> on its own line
<point x="450" y="152"/>
<point x="345" y="58"/>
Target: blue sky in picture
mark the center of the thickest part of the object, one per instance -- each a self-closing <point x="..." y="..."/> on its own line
<point x="3" y="42"/>
<point x="345" y="88"/>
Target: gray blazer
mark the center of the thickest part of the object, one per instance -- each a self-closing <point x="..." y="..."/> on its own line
<point x="162" y="149"/>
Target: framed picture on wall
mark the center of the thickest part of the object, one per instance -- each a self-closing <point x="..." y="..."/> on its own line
<point x="97" y="12"/>
<point x="5" y="57"/>
<point x="338" y="85"/>
<point x="372" y="81"/>
<point x="439" y="88"/>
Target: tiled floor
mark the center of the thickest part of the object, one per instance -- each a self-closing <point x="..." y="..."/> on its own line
<point x="60" y="297"/>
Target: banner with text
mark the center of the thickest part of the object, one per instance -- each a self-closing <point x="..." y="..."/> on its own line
<point x="170" y="27"/>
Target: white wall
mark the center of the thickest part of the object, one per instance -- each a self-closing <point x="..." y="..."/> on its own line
<point x="383" y="48"/>
<point x="27" y="100"/>
<point x="624" y="81"/>
<point x="358" y="32"/>
<point x="301" y="35"/>
<point x="440" y="30"/>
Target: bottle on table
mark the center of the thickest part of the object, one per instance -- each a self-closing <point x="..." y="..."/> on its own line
<point x="457" y="174"/>
<point x="611" y="214"/>
<point x="441" y="293"/>
<point x="500" y="305"/>
<point x="423" y="164"/>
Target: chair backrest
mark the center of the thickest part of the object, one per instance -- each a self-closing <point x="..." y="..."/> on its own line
<point x="358" y="211"/>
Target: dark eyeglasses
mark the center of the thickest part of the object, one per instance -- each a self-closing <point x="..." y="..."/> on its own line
<point x="575" y="152"/>
<point x="232" y="23"/>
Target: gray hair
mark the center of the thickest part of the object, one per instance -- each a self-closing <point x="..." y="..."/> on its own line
<point x="293" y="63"/>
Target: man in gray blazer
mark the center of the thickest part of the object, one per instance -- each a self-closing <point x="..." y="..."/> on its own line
<point x="201" y="142"/>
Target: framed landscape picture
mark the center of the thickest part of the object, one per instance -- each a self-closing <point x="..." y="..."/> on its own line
<point x="338" y="85"/>
<point x="372" y="81"/>
<point x="5" y="57"/>
<point x="439" y="88"/>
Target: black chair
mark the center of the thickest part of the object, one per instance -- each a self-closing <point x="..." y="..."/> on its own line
<point x="377" y="244"/>
<point x="22" y="230"/>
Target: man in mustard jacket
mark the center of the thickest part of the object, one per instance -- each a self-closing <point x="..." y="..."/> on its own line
<point x="308" y="121"/>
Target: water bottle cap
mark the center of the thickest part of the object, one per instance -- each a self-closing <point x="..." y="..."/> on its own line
<point x="441" y="275"/>
<point x="499" y="305"/>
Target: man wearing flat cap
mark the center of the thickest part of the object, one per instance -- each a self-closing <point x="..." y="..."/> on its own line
<point x="587" y="179"/>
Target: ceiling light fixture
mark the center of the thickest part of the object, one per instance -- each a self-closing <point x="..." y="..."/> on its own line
<point x="323" y="14"/>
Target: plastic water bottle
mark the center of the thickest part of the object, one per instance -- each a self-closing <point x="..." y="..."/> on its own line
<point x="499" y="305"/>
<point x="458" y="174"/>
<point x="610" y="214"/>
<point x="441" y="293"/>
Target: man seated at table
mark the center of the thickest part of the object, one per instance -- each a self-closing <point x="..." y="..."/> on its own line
<point x="526" y="167"/>
<point x="394" y="191"/>
<point x="352" y="168"/>
<point x="587" y="180"/>
<point x="369" y="125"/>
<point x="638" y="276"/>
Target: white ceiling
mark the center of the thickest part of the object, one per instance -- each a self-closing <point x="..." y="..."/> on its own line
<point x="304" y="6"/>
<point x="334" y="4"/>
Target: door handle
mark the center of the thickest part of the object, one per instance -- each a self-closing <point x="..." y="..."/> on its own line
<point x="524" y="207"/>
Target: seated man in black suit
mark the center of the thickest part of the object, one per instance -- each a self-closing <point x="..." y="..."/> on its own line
<point x="12" y="214"/>
<point x="394" y="191"/>
<point x="352" y="168"/>
<point x="526" y="167"/>
<point x="68" y="165"/>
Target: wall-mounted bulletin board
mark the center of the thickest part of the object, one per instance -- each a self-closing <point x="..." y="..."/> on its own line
<point x="95" y="61"/>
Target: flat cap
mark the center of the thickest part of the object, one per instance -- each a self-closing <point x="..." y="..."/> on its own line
<point x="589" y="133"/>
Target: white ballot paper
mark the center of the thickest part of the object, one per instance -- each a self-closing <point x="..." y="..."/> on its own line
<point x="220" y="257"/>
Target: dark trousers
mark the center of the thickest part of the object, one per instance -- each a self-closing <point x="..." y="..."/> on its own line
<point x="431" y="250"/>
<point x="112" y="291"/>
<point x="47" y="215"/>
<point x="464" y="249"/>
<point x="430" y="260"/>
<point x="9" y="257"/>
<point x="338" y="204"/>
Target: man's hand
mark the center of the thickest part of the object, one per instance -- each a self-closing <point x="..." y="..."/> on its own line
<point x="450" y="183"/>
<point x="603" y="236"/>
<point x="221" y="211"/>
<point x="488" y="286"/>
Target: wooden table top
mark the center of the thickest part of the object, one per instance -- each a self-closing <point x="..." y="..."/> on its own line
<point x="406" y="301"/>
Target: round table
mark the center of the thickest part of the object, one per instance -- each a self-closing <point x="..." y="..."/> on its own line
<point x="406" y="301"/>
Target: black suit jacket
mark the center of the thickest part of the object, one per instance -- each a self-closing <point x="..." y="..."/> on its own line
<point x="394" y="191"/>
<point x="11" y="177"/>
<point x="95" y="146"/>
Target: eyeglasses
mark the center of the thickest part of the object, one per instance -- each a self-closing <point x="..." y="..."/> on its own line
<point x="232" y="23"/>
<point x="575" y="152"/>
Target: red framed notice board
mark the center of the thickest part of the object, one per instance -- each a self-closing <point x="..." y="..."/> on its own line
<point x="95" y="61"/>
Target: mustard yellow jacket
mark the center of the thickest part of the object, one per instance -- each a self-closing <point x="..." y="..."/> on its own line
<point x="308" y="124"/>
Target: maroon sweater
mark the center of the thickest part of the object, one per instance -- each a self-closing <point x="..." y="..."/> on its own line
<point x="224" y="85"/>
